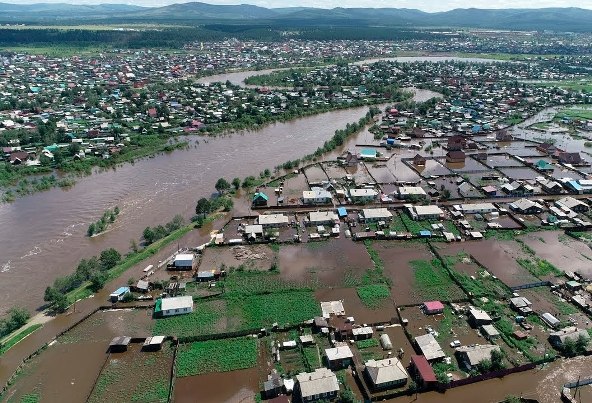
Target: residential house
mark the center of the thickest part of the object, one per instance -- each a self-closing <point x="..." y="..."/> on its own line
<point x="422" y="371"/>
<point x="558" y="338"/>
<point x="253" y="232"/>
<point x="550" y="186"/>
<point x="174" y="306"/>
<point x="478" y="317"/>
<point x="375" y="214"/>
<point x="582" y="186"/>
<point x="543" y="166"/>
<point x="362" y="333"/>
<point x="456" y="143"/>
<point x="362" y="195"/>
<point x="321" y="218"/>
<point x="471" y="356"/>
<point x="429" y="347"/>
<point x="273" y="220"/>
<point x="273" y="387"/>
<point x="419" y="160"/>
<point x="18" y="157"/>
<point x="570" y="158"/>
<point x="503" y="135"/>
<point x="573" y="204"/>
<point x="385" y="374"/>
<point x="260" y="199"/>
<point x="411" y="192"/>
<point x="351" y="160"/>
<point x="432" y="212"/>
<point x="475" y="208"/>
<point x="547" y="148"/>
<point x="517" y="189"/>
<point x="339" y="357"/>
<point x="525" y="206"/>
<point x="321" y="384"/>
<point x="316" y="196"/>
<point x="489" y="190"/>
<point x="455" y="156"/>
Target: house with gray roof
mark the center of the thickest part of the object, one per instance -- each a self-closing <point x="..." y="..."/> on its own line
<point x="385" y="374"/>
<point x="318" y="385"/>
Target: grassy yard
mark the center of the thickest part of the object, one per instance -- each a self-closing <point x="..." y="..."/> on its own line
<point x="8" y="344"/>
<point x="373" y="295"/>
<point x="432" y="282"/>
<point x="538" y="267"/>
<point x="216" y="356"/>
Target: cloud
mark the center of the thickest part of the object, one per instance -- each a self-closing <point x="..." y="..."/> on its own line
<point x="425" y="5"/>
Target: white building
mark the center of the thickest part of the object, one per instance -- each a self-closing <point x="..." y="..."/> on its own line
<point x="321" y="217"/>
<point x="176" y="305"/>
<point x="184" y="261"/>
<point x="475" y="208"/>
<point x="376" y="214"/>
<point x="362" y="195"/>
<point x="425" y="212"/>
<point x="316" y="196"/>
<point x="273" y="220"/>
<point x="406" y="192"/>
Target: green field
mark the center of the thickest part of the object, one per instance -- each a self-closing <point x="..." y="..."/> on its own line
<point x="373" y="295"/>
<point x="432" y="282"/>
<point x="216" y="356"/>
<point x="576" y="113"/>
<point x="201" y="321"/>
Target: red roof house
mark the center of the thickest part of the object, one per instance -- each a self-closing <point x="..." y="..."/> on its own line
<point x="433" y="307"/>
<point x="422" y="369"/>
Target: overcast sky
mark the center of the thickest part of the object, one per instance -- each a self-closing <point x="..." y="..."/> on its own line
<point x="426" y="5"/>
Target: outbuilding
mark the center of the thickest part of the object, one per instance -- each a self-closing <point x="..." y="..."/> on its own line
<point x="184" y="261"/>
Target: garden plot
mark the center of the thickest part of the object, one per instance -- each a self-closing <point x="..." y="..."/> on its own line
<point x="333" y="263"/>
<point x="402" y="172"/>
<point x="380" y="172"/>
<point x="544" y="300"/>
<point x="74" y="361"/>
<point x="360" y="175"/>
<point x="499" y="258"/>
<point x="315" y="174"/>
<point x="293" y="188"/>
<point x="501" y="161"/>
<point x="414" y="278"/>
<point x="445" y="183"/>
<point x="250" y="257"/>
<point x="520" y="173"/>
<point x="335" y="172"/>
<point x="383" y="311"/>
<point x="135" y="376"/>
<point x="431" y="168"/>
<point x="470" y="165"/>
<point x="564" y="252"/>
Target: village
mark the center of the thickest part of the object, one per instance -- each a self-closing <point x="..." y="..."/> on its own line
<point x="445" y="243"/>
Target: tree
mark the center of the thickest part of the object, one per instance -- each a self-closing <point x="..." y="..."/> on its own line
<point x="581" y="344"/>
<point x="73" y="149"/>
<point x="569" y="347"/>
<point x="148" y="235"/>
<point x="98" y="280"/>
<point x="222" y="185"/>
<point x="134" y="245"/>
<point x="497" y="360"/>
<point x="91" y="229"/>
<point x="203" y="206"/>
<point x="109" y="258"/>
<point x="236" y="182"/>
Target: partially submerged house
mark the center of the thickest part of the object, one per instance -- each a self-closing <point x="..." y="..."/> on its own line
<point x="174" y="306"/>
<point x="572" y="333"/>
<point x="321" y="384"/>
<point x="429" y="347"/>
<point x="339" y="357"/>
<point x="385" y="374"/>
<point x="471" y="356"/>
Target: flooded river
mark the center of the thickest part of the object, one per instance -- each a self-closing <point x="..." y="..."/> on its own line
<point x="43" y="235"/>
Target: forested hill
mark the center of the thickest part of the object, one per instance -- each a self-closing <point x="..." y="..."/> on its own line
<point x="554" y="19"/>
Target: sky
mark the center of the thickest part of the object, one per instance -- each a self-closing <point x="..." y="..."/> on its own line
<point x="425" y="5"/>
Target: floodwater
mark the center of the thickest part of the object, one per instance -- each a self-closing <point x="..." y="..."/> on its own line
<point x="43" y="235"/>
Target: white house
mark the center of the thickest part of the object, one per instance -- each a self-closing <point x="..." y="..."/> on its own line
<point x="176" y="305"/>
<point x="316" y="196"/>
<point x="425" y="212"/>
<point x="184" y="261"/>
<point x="376" y="214"/>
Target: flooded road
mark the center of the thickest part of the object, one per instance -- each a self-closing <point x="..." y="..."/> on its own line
<point x="43" y="235"/>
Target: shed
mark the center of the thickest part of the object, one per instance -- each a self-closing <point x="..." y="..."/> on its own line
<point x="433" y="307"/>
<point x="490" y="332"/>
<point x="184" y="261"/>
<point x="478" y="317"/>
<point x="361" y="333"/>
<point x="429" y="347"/>
<point x="342" y="212"/>
<point x="153" y="343"/>
<point x="119" y="344"/>
<point x="422" y="369"/>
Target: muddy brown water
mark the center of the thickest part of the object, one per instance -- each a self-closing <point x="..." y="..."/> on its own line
<point x="354" y="307"/>
<point x="226" y="387"/>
